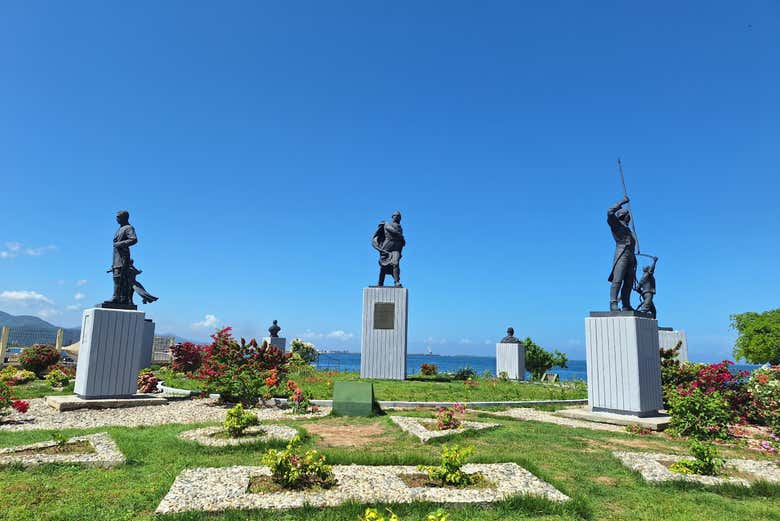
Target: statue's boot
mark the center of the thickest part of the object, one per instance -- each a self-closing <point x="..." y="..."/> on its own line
<point x="613" y="306"/>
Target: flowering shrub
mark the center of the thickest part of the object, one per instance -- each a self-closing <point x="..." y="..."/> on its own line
<point x="147" y="382"/>
<point x="16" y="376"/>
<point x="293" y="470"/>
<point x="428" y="369"/>
<point x="299" y="400"/>
<point x="237" y="420"/>
<point x="700" y="414"/>
<point x="7" y="401"/>
<point x="37" y="358"/>
<point x="764" y="386"/>
<point x="57" y="379"/>
<point x="238" y="370"/>
<point x="446" y="417"/>
<point x="449" y="472"/>
<point x="186" y="357"/>
<point x="707" y="462"/>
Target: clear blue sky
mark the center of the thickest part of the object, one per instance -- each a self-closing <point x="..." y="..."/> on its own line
<point x="258" y="144"/>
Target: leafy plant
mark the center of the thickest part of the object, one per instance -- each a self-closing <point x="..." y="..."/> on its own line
<point x="305" y="350"/>
<point x="237" y="420"/>
<point x="700" y="415"/>
<point x="449" y="472"/>
<point x="237" y="370"/>
<point x="759" y="336"/>
<point x="60" y="439"/>
<point x="437" y="515"/>
<point x="538" y="360"/>
<point x="147" y="381"/>
<point x="707" y="462"/>
<point x="764" y="388"/>
<point x="295" y="470"/>
<point x="447" y="417"/>
<point x="638" y="429"/>
<point x="186" y="357"/>
<point x="372" y="514"/>
<point x="39" y="357"/>
<point x="465" y="373"/>
<point x="57" y="379"/>
<point x="299" y="399"/>
<point x="428" y="369"/>
<point x="503" y="376"/>
<point x="15" y="376"/>
<point x="7" y="401"/>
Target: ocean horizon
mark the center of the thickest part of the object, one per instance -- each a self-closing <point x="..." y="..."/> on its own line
<point x="574" y="370"/>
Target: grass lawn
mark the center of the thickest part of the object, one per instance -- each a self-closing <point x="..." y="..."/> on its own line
<point x="576" y="461"/>
<point x="39" y="389"/>
<point x="320" y="385"/>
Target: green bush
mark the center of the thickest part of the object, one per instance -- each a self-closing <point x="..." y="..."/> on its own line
<point x="305" y="350"/>
<point x="764" y="388"/>
<point x="39" y="357"/>
<point x="449" y="472"/>
<point x="237" y="420"/>
<point x="16" y="376"/>
<point x="538" y="360"/>
<point x="293" y="470"/>
<point x="701" y="415"/>
<point x="465" y="373"/>
<point x="57" y="379"/>
<point x="707" y="462"/>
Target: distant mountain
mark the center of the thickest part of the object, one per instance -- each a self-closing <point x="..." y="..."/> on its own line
<point x="27" y="330"/>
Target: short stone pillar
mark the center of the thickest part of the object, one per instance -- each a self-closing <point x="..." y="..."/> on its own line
<point x="383" y="341"/>
<point x="510" y="358"/>
<point x="669" y="337"/>
<point x="112" y="348"/>
<point x="624" y="368"/>
<point x="278" y="342"/>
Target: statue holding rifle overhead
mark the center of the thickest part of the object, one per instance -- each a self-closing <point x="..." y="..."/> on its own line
<point x="623" y="274"/>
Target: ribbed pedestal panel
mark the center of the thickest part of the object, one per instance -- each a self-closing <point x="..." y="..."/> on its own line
<point x="510" y="358"/>
<point x="112" y="347"/>
<point x="624" y="367"/>
<point x="383" y="341"/>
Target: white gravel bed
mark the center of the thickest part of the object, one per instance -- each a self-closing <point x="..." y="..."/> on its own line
<point x="41" y="416"/>
<point x="417" y="427"/>
<point x="216" y="489"/>
<point x="106" y="454"/>
<point x="650" y="467"/>
<point x="528" y="414"/>
<point x="205" y="436"/>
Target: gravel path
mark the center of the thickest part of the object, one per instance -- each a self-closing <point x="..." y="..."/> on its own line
<point x="215" y="489"/>
<point x="528" y="414"/>
<point x="41" y="416"/>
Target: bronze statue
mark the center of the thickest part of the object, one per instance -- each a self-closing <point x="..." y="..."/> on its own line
<point x="123" y="270"/>
<point x="274" y="330"/>
<point x="389" y="240"/>
<point x="510" y="337"/>
<point x="623" y="272"/>
<point x="646" y="288"/>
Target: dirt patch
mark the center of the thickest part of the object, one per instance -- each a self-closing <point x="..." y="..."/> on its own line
<point x="77" y="447"/>
<point x="605" y="480"/>
<point x="347" y="435"/>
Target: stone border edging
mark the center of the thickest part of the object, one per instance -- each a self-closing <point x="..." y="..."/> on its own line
<point x="106" y="453"/>
<point x="213" y="489"/>
<point x="261" y="433"/>
<point x="416" y="427"/>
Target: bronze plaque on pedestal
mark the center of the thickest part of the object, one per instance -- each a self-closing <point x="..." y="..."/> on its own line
<point x="384" y="315"/>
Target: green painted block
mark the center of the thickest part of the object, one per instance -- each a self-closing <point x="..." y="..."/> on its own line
<point x="354" y="399"/>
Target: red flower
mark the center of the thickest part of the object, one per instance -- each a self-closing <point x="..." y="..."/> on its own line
<point x="20" y="405"/>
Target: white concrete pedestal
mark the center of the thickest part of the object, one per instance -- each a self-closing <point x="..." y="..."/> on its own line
<point x="383" y="341"/>
<point x="510" y="358"/>
<point x="113" y="346"/>
<point x="277" y="341"/>
<point x="668" y="338"/>
<point x="624" y="367"/>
